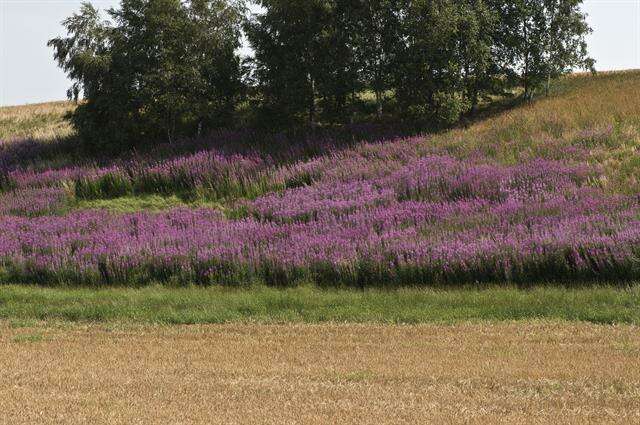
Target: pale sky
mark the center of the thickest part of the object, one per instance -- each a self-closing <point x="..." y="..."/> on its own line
<point x="28" y="73"/>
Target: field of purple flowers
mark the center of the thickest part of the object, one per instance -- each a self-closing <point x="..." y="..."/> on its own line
<point x="544" y="193"/>
<point x="389" y="213"/>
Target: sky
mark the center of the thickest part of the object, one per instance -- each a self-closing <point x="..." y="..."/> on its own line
<point x="28" y="73"/>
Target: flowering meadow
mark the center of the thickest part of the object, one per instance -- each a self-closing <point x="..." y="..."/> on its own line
<point x="548" y="192"/>
<point x="390" y="213"/>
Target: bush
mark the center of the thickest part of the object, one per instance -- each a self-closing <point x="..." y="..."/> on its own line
<point x="449" y="107"/>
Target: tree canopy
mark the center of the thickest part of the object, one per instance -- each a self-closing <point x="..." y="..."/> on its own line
<point x="164" y="69"/>
<point x="155" y="69"/>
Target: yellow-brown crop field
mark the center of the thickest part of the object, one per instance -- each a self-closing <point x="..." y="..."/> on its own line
<point x="515" y="373"/>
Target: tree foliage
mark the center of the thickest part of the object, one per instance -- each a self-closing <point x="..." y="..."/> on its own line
<point x="156" y="70"/>
<point x="541" y="40"/>
<point x="170" y="68"/>
<point x="377" y="29"/>
<point x="438" y="59"/>
<point x="292" y="44"/>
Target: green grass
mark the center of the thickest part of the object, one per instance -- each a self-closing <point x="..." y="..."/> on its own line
<point x="149" y="203"/>
<point x="28" y="338"/>
<point x="129" y="204"/>
<point x="161" y="305"/>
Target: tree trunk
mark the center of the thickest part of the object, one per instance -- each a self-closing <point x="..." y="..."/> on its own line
<point x="525" y="77"/>
<point x="312" y="102"/>
<point x="474" y="106"/>
<point x="379" y="104"/>
<point x="171" y="129"/>
<point x="474" y="99"/>
<point x="548" y="86"/>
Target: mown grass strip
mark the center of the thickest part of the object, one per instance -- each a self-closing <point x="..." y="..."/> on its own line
<point x="162" y="305"/>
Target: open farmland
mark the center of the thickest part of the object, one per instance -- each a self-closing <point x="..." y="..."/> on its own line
<point x="500" y="374"/>
<point x="542" y="193"/>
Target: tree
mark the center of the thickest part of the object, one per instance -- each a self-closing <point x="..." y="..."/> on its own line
<point x="477" y="34"/>
<point x="429" y="71"/>
<point x="291" y="50"/>
<point x="159" y="69"/>
<point x="339" y="81"/>
<point x="170" y="68"/>
<point x="541" y="40"/>
<point x="377" y="30"/>
<point x="565" y="46"/>
<point x="84" y="55"/>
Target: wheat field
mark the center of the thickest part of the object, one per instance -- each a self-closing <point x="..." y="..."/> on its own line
<point x="525" y="373"/>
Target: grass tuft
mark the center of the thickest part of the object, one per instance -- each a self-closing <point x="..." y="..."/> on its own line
<point x="28" y="338"/>
<point x="130" y="204"/>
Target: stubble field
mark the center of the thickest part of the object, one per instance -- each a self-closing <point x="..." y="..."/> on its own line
<point x="521" y="373"/>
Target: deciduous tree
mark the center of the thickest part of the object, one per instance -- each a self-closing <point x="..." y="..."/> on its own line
<point x="160" y="69"/>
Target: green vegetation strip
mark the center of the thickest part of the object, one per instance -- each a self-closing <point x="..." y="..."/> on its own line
<point x="161" y="305"/>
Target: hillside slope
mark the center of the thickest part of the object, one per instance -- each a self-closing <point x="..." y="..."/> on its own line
<point x="599" y="114"/>
<point x="542" y="192"/>
<point x="42" y="122"/>
<point x="592" y="116"/>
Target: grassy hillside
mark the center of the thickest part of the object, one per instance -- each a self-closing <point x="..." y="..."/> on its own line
<point x="539" y="192"/>
<point x="41" y="122"/>
<point x="597" y="114"/>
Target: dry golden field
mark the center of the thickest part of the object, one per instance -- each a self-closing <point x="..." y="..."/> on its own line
<point x="516" y="373"/>
<point x="42" y="121"/>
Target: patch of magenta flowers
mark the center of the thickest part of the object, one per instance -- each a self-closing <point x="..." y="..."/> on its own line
<point x="394" y="213"/>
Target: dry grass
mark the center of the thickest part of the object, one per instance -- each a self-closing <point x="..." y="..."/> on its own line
<point x="43" y="121"/>
<point x="474" y="373"/>
<point x="606" y="105"/>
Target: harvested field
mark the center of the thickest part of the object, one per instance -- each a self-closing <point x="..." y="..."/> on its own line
<point x="522" y="372"/>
